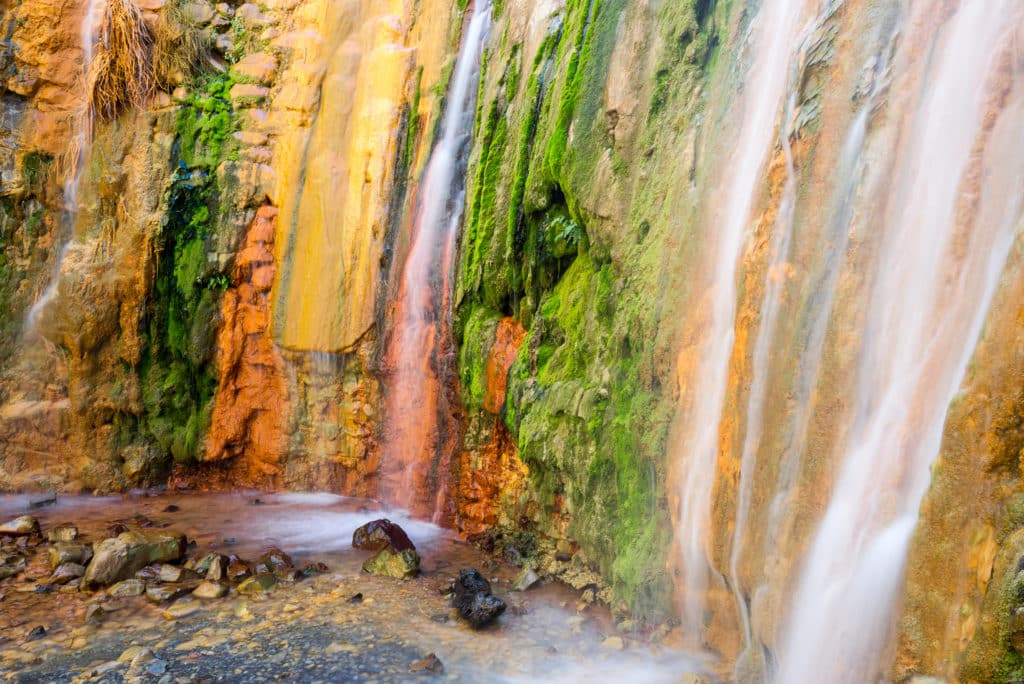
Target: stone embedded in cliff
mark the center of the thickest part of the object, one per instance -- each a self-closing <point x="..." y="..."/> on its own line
<point x="20" y="526"/>
<point x="398" y="564"/>
<point x="380" y="534"/>
<point x="473" y="599"/>
<point x="259" y="67"/>
<point x="121" y="557"/>
<point x="65" y="552"/>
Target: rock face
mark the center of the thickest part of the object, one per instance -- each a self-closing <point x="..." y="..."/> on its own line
<point x="120" y="558"/>
<point x="473" y="600"/>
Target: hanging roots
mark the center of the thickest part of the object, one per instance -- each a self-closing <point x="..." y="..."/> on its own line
<point x="122" y="61"/>
<point x="133" y="59"/>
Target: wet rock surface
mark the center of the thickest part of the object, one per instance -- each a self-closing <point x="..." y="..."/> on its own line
<point x="377" y="535"/>
<point x="473" y="600"/>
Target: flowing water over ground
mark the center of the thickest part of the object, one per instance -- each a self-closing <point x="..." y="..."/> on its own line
<point x="420" y="424"/>
<point x="309" y="631"/>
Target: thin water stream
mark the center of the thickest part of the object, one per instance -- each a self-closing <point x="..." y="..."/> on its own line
<point x="419" y="422"/>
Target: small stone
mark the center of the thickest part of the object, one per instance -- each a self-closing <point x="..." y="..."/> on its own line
<point x="65" y="532"/>
<point x="71" y="587"/>
<point x="315" y="569"/>
<point x="431" y="663"/>
<point x="94" y="614"/>
<point x="388" y="563"/>
<point x="613" y="643"/>
<point x="525" y="579"/>
<point x="37" y="632"/>
<point x="258" y="584"/>
<point x="272" y="560"/>
<point x="129" y="654"/>
<point x="171" y="508"/>
<point x="67" y="572"/>
<point x="162" y="593"/>
<point x="127" y="588"/>
<point x="238" y="569"/>
<point x="210" y="590"/>
<point x="217" y="570"/>
<point x="172" y="573"/>
<point x="182" y="609"/>
<point x="355" y="598"/>
<point x="377" y="535"/>
<point x="66" y="552"/>
<point x="20" y="526"/>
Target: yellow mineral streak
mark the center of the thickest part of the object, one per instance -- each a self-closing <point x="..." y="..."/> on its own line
<point x="337" y="170"/>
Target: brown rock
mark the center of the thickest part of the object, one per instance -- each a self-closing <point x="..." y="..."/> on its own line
<point x="120" y="558"/>
<point x="381" y="534"/>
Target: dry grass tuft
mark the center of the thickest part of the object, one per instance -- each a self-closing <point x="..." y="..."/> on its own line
<point x="178" y="47"/>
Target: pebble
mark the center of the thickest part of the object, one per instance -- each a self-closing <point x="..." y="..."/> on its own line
<point x="210" y="590"/>
<point x="182" y="609"/>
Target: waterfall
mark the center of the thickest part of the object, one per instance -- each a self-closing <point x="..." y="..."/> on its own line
<point x="77" y="153"/>
<point x="420" y="349"/>
<point x="948" y="206"/>
<point x="773" y="46"/>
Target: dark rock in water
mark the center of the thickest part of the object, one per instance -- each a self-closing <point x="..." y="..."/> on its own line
<point x="356" y="598"/>
<point x="50" y="500"/>
<point x="37" y="632"/>
<point x="381" y="534"/>
<point x="439" y="617"/>
<point x="116" y="529"/>
<point x="171" y="508"/>
<point x="431" y="663"/>
<point x="473" y="599"/>
<point x="19" y="527"/>
<point x="388" y="563"/>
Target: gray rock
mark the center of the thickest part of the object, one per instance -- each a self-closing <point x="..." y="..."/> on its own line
<point x="121" y="557"/>
<point x="526" y="578"/>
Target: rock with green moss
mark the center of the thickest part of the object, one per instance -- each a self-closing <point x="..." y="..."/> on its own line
<point x="398" y="564"/>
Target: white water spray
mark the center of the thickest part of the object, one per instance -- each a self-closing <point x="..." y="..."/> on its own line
<point x="939" y="261"/>
<point x="774" y="43"/>
<point x="91" y="23"/>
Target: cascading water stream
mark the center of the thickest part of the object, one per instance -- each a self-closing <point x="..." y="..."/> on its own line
<point x="774" y="285"/>
<point x="773" y="44"/>
<point x="421" y="340"/>
<point x="948" y="211"/>
<point x="77" y="153"/>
